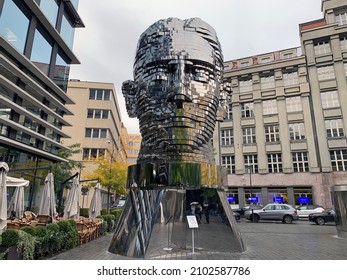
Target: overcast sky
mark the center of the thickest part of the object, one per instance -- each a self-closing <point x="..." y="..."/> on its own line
<point x="106" y="46"/>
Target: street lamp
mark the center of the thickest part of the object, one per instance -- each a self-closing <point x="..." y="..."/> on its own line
<point x="250" y="178"/>
<point x="250" y="184"/>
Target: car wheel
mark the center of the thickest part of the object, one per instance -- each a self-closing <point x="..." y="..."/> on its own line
<point x="287" y="219"/>
<point x="255" y="218"/>
<point x="320" y="221"/>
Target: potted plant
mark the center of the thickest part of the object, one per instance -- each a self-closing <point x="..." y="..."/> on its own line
<point x="10" y="240"/>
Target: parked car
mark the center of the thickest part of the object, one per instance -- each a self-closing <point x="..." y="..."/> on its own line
<point x="324" y="217"/>
<point x="305" y="210"/>
<point x="119" y="204"/>
<point x="242" y="210"/>
<point x="275" y="212"/>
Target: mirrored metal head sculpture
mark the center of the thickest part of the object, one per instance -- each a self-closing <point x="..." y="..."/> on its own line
<point x="177" y="90"/>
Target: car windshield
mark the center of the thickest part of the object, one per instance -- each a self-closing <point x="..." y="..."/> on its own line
<point x="121" y="202"/>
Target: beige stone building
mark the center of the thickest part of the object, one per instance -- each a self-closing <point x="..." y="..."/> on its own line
<point x="284" y="138"/>
<point x="134" y="143"/>
<point x="96" y="125"/>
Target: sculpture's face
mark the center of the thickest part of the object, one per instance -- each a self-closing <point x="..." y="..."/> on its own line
<point x="176" y="93"/>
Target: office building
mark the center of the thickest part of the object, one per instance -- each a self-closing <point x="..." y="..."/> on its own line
<point x="134" y="144"/>
<point x="95" y="125"/>
<point x="36" y="40"/>
<point x="284" y="137"/>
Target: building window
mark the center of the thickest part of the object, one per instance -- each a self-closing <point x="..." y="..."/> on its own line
<point x="267" y="82"/>
<point x="341" y="17"/>
<point x="227" y="137"/>
<point x="272" y="133"/>
<point x="330" y="99"/>
<point x="334" y="128"/>
<point x="247" y="110"/>
<point x="343" y="43"/>
<point x="97" y="114"/>
<point x="293" y="104"/>
<point x="297" y="131"/>
<point x="96" y="133"/>
<point x="345" y="66"/>
<point x="41" y="50"/>
<point x="244" y="63"/>
<point x="338" y="160"/>
<point x="14" y="23"/>
<point x="251" y="161"/>
<point x="290" y="78"/>
<point x="99" y="94"/>
<point x="50" y="9"/>
<point x="300" y="162"/>
<point x="265" y="59"/>
<point x="92" y="153"/>
<point x="322" y="47"/>
<point x="229" y="114"/>
<point x="287" y="55"/>
<point x="245" y="85"/>
<point x="274" y="163"/>
<point x="248" y="134"/>
<point x="325" y="73"/>
<point x="229" y="163"/>
<point x="269" y="107"/>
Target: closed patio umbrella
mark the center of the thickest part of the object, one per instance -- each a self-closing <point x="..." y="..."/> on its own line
<point x="47" y="203"/>
<point x="3" y="192"/>
<point x="72" y="204"/>
<point x="16" y="203"/>
<point x="95" y="203"/>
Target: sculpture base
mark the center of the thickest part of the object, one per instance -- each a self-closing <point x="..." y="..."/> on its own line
<point x="155" y="219"/>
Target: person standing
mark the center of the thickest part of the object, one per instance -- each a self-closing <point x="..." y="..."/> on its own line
<point x="207" y="213"/>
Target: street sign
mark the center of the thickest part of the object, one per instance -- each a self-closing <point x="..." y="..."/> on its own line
<point x="278" y="199"/>
<point x="231" y="199"/>
<point x="303" y="200"/>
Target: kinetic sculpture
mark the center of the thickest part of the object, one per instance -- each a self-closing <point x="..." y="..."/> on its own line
<point x="177" y="95"/>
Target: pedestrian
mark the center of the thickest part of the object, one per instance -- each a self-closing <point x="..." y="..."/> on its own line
<point x="198" y="213"/>
<point x="207" y="213"/>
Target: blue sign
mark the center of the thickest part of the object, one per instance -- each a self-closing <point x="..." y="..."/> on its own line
<point x="253" y="199"/>
<point x="278" y="199"/>
<point x="303" y="200"/>
<point x="231" y="199"/>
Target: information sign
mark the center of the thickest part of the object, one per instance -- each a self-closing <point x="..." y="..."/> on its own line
<point x="278" y="199"/>
<point x="253" y="199"/>
<point x="192" y="222"/>
<point x="303" y="200"/>
<point x="231" y="199"/>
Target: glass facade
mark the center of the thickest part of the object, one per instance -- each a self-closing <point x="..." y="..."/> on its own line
<point x="14" y="23"/>
<point x="67" y="31"/>
<point x="61" y="71"/>
<point x="32" y="107"/>
<point x="41" y="52"/>
<point x="50" y="9"/>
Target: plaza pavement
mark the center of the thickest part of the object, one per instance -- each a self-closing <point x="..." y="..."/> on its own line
<point x="300" y="240"/>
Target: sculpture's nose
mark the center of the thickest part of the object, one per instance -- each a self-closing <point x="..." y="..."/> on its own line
<point x="179" y="82"/>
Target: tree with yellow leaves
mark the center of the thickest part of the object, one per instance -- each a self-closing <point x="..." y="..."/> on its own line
<point x="111" y="174"/>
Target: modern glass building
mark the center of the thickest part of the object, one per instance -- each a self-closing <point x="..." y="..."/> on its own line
<point x="36" y="38"/>
<point x="284" y="138"/>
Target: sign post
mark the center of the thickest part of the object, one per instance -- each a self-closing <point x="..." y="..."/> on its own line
<point x="192" y="223"/>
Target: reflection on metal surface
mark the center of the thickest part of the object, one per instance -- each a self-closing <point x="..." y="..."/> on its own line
<point x="340" y="204"/>
<point x="177" y="95"/>
<point x="175" y="174"/>
<point x="154" y="220"/>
